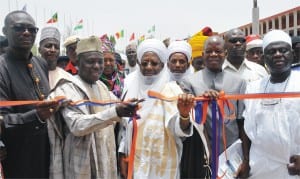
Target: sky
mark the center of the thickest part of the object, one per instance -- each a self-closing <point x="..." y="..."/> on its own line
<point x="176" y="19"/>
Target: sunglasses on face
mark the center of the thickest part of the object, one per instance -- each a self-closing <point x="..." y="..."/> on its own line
<point x="21" y="29"/>
<point x="273" y="51"/>
<point x="237" y="39"/>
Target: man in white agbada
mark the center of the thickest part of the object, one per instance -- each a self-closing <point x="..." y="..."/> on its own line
<point x="179" y="56"/>
<point x="49" y="49"/>
<point x="273" y="124"/>
<point x="161" y="124"/>
<point x="82" y="140"/>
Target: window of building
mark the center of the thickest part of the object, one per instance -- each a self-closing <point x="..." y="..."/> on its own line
<point x="291" y="20"/>
<point x="283" y="22"/>
<point x="264" y="27"/>
<point x="276" y="23"/>
<point x="270" y="25"/>
<point x="298" y="17"/>
<point x="291" y="33"/>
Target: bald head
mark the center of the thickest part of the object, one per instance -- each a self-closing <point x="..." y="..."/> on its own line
<point x="214" y="53"/>
<point x="234" y="32"/>
<point x="16" y="15"/>
<point x="214" y="40"/>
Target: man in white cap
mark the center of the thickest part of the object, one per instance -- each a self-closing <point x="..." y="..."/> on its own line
<point x="273" y="124"/>
<point x="49" y="49"/>
<point x="209" y="82"/>
<point x="254" y="49"/>
<point x="83" y="145"/>
<point x="71" y="45"/>
<point x="179" y="56"/>
<point x="235" y="62"/>
<point x="131" y="64"/>
<point x="162" y="124"/>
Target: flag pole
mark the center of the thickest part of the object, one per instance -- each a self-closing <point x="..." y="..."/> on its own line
<point x="17" y="5"/>
<point x="8" y="5"/>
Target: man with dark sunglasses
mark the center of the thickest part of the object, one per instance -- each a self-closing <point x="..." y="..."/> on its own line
<point x="24" y="77"/>
<point x="235" y="46"/>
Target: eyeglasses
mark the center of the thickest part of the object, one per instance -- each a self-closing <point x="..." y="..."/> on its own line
<point x="21" y="29"/>
<point x="273" y="51"/>
<point x="237" y="39"/>
<point x="145" y="64"/>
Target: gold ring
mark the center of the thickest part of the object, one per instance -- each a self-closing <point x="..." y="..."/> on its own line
<point x="51" y="110"/>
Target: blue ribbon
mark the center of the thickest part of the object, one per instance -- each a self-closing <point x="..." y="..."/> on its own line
<point x="89" y="103"/>
<point x="198" y="112"/>
<point x="214" y="139"/>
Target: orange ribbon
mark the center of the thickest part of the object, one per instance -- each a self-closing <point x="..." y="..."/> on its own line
<point x="27" y="102"/>
<point x="60" y="98"/>
<point x="222" y="100"/>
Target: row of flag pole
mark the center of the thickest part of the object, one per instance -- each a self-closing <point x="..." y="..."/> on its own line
<point x="118" y="35"/>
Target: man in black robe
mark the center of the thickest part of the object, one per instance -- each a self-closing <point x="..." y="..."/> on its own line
<point x="24" y="77"/>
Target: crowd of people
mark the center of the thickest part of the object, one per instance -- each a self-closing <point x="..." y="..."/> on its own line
<point x="134" y="135"/>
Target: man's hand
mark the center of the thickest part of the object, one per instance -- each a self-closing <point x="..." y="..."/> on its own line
<point x="123" y="166"/>
<point x="294" y="166"/>
<point x="128" y="109"/>
<point x="212" y="94"/>
<point x="185" y="103"/>
<point x="243" y="170"/>
<point x="46" y="109"/>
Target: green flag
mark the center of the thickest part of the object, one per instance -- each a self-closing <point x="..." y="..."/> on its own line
<point x="79" y="25"/>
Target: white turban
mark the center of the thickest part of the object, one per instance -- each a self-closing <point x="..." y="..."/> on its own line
<point x="181" y="47"/>
<point x="276" y="36"/>
<point x="152" y="45"/>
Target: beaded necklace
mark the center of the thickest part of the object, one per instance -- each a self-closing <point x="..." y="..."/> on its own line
<point x="36" y="81"/>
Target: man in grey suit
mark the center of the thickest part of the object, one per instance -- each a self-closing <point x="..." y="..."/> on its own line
<point x="209" y="82"/>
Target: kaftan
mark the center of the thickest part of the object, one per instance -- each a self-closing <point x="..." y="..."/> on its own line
<point x="159" y="143"/>
<point x="84" y="145"/>
<point x="273" y="128"/>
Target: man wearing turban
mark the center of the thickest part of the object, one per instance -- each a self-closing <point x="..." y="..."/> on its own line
<point x="162" y="124"/>
<point x="179" y="56"/>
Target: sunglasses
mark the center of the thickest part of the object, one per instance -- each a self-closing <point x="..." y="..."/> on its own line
<point x="273" y="51"/>
<point x="237" y="39"/>
<point x="21" y="29"/>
